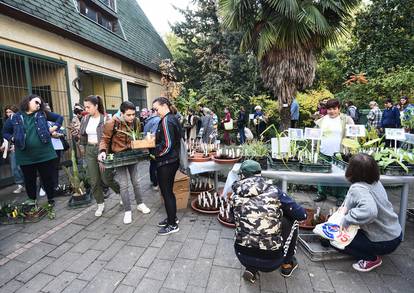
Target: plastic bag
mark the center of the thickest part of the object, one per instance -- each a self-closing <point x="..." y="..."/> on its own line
<point x="339" y="236"/>
<point x="228" y="125"/>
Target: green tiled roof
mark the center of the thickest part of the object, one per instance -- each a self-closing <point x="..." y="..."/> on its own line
<point x="141" y="44"/>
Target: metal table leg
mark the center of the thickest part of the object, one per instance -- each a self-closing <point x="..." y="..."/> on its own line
<point x="284" y="185"/>
<point x="402" y="217"/>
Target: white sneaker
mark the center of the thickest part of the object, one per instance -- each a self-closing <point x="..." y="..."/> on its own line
<point x="120" y="202"/>
<point x="99" y="211"/>
<point x="143" y="208"/>
<point x="19" y="189"/>
<point x="155" y="188"/>
<point x="42" y="192"/>
<point x="128" y="217"/>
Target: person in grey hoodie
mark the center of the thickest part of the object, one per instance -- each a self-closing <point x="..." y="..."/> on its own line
<point x="367" y="206"/>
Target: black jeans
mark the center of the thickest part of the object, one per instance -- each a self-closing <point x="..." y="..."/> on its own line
<point x="166" y="175"/>
<point x="290" y="236"/>
<point x="46" y="172"/>
<point x="363" y="248"/>
<point x="153" y="173"/>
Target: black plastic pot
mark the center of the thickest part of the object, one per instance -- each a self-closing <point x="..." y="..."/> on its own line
<point x="80" y="201"/>
<point x="322" y="167"/>
<point x="280" y="165"/>
<point x="262" y="161"/>
<point x="397" y="170"/>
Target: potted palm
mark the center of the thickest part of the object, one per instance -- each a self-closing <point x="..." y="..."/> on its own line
<point x="80" y="197"/>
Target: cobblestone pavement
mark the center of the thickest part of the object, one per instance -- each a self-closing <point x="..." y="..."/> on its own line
<point x="78" y="252"/>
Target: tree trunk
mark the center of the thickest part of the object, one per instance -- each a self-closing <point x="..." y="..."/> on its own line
<point x="284" y="117"/>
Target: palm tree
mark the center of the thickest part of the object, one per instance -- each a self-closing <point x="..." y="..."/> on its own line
<point x="286" y="35"/>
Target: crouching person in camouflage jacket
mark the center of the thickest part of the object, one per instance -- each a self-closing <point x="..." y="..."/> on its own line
<point x="266" y="224"/>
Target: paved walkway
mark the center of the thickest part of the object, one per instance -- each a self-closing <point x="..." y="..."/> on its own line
<point x="78" y="252"/>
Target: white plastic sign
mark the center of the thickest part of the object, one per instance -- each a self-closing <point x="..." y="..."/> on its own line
<point x="295" y="133"/>
<point x="313" y="133"/>
<point x="355" y="130"/>
<point x="251" y="116"/>
<point x="395" y="133"/>
<point x="283" y="143"/>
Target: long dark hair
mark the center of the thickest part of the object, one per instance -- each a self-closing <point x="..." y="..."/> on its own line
<point x="9" y="107"/>
<point x="166" y="101"/>
<point x="24" y="105"/>
<point x="97" y="101"/>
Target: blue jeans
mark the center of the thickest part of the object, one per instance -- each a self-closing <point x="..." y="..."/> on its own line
<point x="242" y="135"/>
<point x="16" y="171"/>
<point x="363" y="248"/>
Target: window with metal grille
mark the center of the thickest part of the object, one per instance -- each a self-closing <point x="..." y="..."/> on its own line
<point x="22" y="74"/>
<point x="137" y="94"/>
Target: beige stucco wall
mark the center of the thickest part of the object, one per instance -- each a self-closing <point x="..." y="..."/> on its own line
<point x="19" y="35"/>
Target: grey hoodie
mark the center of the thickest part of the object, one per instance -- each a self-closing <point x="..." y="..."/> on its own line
<point x="368" y="206"/>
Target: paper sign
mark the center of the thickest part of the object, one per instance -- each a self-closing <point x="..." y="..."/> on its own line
<point x="283" y="142"/>
<point x="313" y="133"/>
<point x="251" y="116"/>
<point x="296" y="134"/>
<point x="395" y="133"/>
<point x="355" y="130"/>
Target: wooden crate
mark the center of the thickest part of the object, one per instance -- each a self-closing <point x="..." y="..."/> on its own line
<point x="146" y="143"/>
<point x="181" y="189"/>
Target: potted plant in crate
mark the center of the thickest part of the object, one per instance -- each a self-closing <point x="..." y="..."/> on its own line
<point x="138" y="141"/>
<point x="79" y="196"/>
<point x="256" y="150"/>
<point x="310" y="160"/>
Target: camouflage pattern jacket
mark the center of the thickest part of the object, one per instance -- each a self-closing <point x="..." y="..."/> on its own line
<point x="258" y="210"/>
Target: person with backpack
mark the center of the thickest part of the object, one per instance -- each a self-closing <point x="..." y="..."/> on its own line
<point x="352" y="111"/>
<point x="167" y="157"/>
<point x="116" y="140"/>
<point x="29" y="131"/>
<point x="266" y="224"/>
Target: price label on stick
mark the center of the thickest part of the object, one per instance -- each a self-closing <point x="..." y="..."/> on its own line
<point x="296" y="134"/>
<point x="395" y="134"/>
<point x="313" y="133"/>
<point x="355" y="130"/>
<point x="280" y="146"/>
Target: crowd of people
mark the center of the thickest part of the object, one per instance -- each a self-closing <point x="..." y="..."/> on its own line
<point x="266" y="218"/>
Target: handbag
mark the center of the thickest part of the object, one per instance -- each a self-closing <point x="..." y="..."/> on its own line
<point x="331" y="230"/>
<point x="65" y="143"/>
<point x="228" y="125"/>
<point x="183" y="156"/>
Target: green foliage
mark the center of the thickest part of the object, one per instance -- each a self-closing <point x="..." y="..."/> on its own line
<point x="209" y="61"/>
<point x="408" y="118"/>
<point x="308" y="104"/>
<point x="255" y="149"/>
<point x="384" y="37"/>
<point x="393" y="84"/>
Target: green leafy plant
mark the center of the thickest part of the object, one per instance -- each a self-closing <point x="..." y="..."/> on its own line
<point x="255" y="149"/>
<point x="134" y="133"/>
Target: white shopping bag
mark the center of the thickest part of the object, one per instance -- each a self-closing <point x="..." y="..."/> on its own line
<point x="339" y="236"/>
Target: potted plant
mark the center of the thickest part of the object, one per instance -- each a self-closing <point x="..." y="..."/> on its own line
<point x="125" y="158"/>
<point x="227" y="155"/>
<point x="256" y="150"/>
<point x="79" y="196"/>
<point x="310" y="160"/>
<point x="138" y="141"/>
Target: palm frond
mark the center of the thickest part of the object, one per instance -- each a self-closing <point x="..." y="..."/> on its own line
<point x="287" y="8"/>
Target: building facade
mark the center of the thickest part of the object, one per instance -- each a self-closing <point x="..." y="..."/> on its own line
<point x="65" y="50"/>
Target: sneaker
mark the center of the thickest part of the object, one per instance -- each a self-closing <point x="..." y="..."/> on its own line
<point x="155" y="188"/>
<point x="128" y="217"/>
<point x="319" y="197"/>
<point x="249" y="276"/>
<point x="99" y="211"/>
<point x="164" y="223"/>
<point x="287" y="269"/>
<point x="19" y="189"/>
<point x="51" y="202"/>
<point x="143" y="208"/>
<point x="168" y="230"/>
<point x="42" y="192"/>
<point x="367" y="265"/>
<point x="120" y="202"/>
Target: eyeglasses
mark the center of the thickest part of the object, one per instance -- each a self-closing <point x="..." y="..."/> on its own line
<point x="38" y="103"/>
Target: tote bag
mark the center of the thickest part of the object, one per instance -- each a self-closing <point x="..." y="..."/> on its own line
<point x="228" y="125"/>
<point x="332" y="231"/>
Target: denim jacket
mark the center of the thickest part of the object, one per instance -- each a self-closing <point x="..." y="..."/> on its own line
<point x="14" y="129"/>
